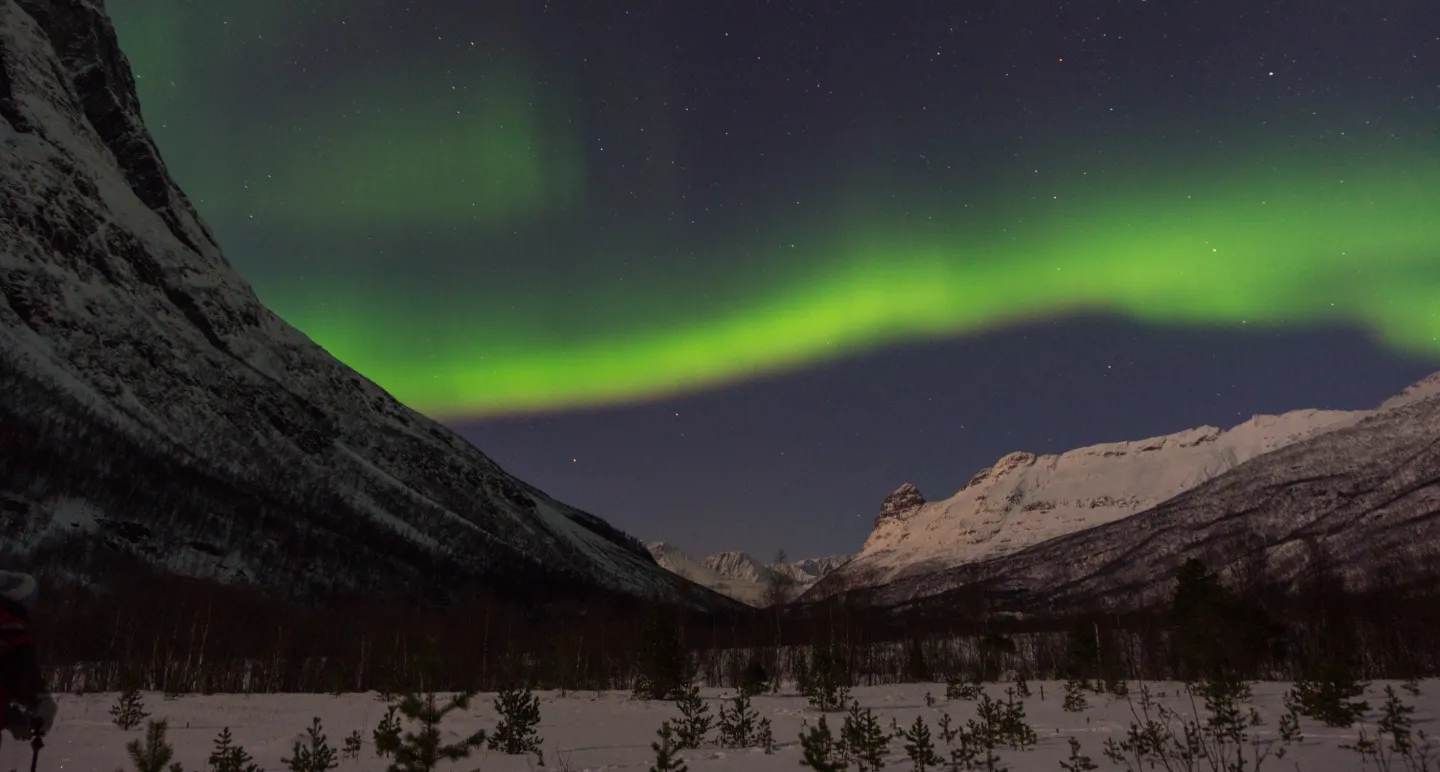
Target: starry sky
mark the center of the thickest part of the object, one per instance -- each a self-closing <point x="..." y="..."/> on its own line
<point x="726" y="273"/>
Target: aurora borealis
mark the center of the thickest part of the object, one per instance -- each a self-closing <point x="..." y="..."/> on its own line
<point x="521" y="209"/>
<point x="1318" y="245"/>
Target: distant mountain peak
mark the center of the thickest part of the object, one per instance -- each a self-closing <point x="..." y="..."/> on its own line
<point x="900" y="502"/>
<point x="741" y="576"/>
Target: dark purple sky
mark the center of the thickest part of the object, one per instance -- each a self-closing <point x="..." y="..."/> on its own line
<point x="690" y="134"/>
<point x="802" y="462"/>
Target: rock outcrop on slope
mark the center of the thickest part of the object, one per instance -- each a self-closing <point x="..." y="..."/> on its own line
<point x="153" y="413"/>
<point x="1113" y="521"/>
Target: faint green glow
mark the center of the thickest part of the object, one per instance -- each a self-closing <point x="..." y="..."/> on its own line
<point x="1311" y="242"/>
<point x="459" y="138"/>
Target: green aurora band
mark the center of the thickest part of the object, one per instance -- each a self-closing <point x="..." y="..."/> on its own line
<point x="1309" y="240"/>
<point x="1274" y="236"/>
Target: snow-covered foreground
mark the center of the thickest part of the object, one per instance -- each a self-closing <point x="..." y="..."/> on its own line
<point x="609" y="731"/>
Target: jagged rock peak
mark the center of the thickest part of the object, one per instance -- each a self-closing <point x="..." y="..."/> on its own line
<point x="902" y="500"/>
<point x="1007" y="464"/>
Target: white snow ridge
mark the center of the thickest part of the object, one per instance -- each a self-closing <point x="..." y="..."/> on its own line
<point x="1025" y="500"/>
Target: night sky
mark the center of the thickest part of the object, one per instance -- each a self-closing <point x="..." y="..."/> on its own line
<point x="726" y="273"/>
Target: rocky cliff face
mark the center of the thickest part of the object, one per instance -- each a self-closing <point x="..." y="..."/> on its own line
<point x="153" y="412"/>
<point x="1025" y="499"/>
<point x="1110" y="523"/>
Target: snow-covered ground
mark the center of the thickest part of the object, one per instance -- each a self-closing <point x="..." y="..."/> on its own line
<point x="609" y="731"/>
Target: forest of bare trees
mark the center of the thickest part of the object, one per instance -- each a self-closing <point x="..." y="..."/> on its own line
<point x="185" y="636"/>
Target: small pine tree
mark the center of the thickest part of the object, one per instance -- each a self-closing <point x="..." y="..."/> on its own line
<point x="421" y="751"/>
<point x="515" y="733"/>
<point x="387" y="733"/>
<point x="314" y="756"/>
<point x="863" y="739"/>
<point x="1075" y="701"/>
<point x="666" y="759"/>
<point x="695" y="719"/>
<point x="765" y="736"/>
<point x="1022" y="686"/>
<point x="1009" y="718"/>
<point x="155" y="753"/>
<point x="229" y="757"/>
<point x="1078" y="762"/>
<point x="957" y="687"/>
<point x="737" y="725"/>
<point x="948" y="731"/>
<point x="129" y="712"/>
<point x="351" y="748"/>
<point x="1329" y="698"/>
<point x="919" y="748"/>
<point x="1395" y="720"/>
<point x="819" y="750"/>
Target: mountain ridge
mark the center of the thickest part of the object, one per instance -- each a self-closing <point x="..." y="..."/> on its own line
<point x="738" y="575"/>
<point x="1403" y="431"/>
<point x="157" y="416"/>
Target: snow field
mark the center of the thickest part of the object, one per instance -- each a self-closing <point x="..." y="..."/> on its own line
<point x="609" y="731"/>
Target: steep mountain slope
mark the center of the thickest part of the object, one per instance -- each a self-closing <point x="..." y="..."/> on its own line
<point x="1026" y="499"/>
<point x="1368" y="489"/>
<point x="153" y="412"/>
<point x="740" y="576"/>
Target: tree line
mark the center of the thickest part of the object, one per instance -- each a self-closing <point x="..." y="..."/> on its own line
<point x="191" y="636"/>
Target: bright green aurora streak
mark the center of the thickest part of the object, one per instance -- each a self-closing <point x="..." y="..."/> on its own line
<point x="417" y="161"/>
<point x="1305" y="241"/>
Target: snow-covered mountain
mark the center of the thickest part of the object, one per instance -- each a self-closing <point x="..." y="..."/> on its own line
<point x="1114" y="519"/>
<point x="1024" y="499"/>
<point x="153" y="412"/>
<point x="741" y="576"/>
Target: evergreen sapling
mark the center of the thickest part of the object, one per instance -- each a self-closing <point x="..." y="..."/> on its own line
<point x="919" y="748"/>
<point x="765" y="737"/>
<point x="129" y="712"/>
<point x="421" y="750"/>
<point x="863" y="740"/>
<point x="737" y="725"/>
<point x="229" y="757"/>
<point x="1075" y="701"/>
<point x="515" y="733"/>
<point x="819" y="750"/>
<point x="958" y="688"/>
<point x="387" y="733"/>
<point x="1329" y="698"/>
<point x="155" y="754"/>
<point x="948" y="731"/>
<point x="351" y="748"/>
<point x="313" y="755"/>
<point x="695" y="719"/>
<point x="665" y="750"/>
<point x="1077" y="762"/>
